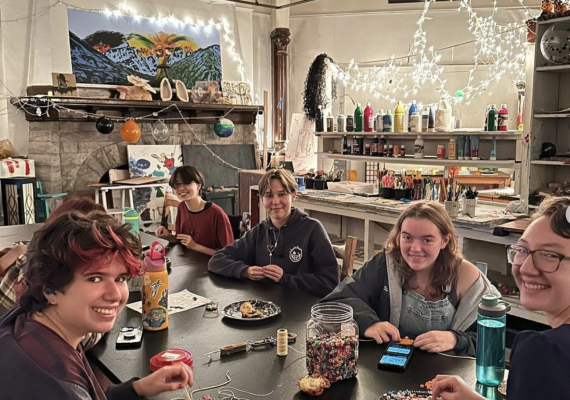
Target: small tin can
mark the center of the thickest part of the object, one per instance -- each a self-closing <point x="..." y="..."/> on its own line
<point x="341" y="121"/>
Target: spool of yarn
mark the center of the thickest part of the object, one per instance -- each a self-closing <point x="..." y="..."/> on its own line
<point x="282" y="342"/>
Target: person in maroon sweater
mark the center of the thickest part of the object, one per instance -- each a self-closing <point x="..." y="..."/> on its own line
<point x="75" y="283"/>
<point x="200" y="225"/>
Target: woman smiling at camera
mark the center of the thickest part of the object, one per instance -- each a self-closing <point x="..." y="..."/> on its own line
<point x="76" y="283"/>
<point x="289" y="247"/>
<point x="200" y="225"/>
<point x="540" y="361"/>
<point x="419" y="287"/>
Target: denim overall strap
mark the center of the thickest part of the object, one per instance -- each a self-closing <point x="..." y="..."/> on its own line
<point x="419" y="315"/>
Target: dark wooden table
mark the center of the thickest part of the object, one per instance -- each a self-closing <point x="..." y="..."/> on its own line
<point x="259" y="371"/>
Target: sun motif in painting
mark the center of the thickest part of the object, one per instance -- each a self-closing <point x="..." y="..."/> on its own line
<point x="295" y="254"/>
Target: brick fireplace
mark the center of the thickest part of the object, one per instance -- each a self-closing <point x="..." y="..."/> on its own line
<point x="71" y="154"/>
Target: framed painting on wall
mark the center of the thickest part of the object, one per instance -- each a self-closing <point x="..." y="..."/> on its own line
<point x="106" y="50"/>
<point x="63" y="84"/>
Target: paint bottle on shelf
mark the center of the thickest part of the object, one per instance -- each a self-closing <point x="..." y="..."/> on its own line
<point x="368" y="118"/>
<point x="419" y="147"/>
<point x="380" y="121"/>
<point x="425" y="119"/>
<point x="492" y="118"/>
<point x="431" y="120"/>
<point x="341" y="121"/>
<point x="382" y="146"/>
<point x="399" y="115"/>
<point x="440" y="151"/>
<point x="416" y="122"/>
<point x="358" y="119"/>
<point x="367" y="149"/>
<point x="403" y="151"/>
<point x="388" y="121"/>
<point x="413" y="109"/>
<point x="390" y="150"/>
<point x="345" y="149"/>
<point x="452" y="149"/>
<point x="355" y="149"/>
<point x="319" y="122"/>
<point x="503" y="119"/>
<point x="375" y="143"/>
<point x="330" y="123"/>
<point x="350" y="123"/>
<point x="396" y="150"/>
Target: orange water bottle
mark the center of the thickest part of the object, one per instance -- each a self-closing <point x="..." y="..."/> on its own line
<point x="155" y="289"/>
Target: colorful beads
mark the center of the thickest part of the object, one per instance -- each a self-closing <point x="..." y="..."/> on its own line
<point x="332" y="356"/>
<point x="405" y="395"/>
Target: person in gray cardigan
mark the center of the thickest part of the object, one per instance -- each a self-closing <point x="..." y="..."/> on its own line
<point x="289" y="247"/>
<point x="419" y="286"/>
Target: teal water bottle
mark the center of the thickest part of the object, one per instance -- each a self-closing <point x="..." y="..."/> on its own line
<point x="131" y="218"/>
<point x="491" y="340"/>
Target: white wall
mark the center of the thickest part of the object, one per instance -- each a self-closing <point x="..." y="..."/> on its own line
<point x="31" y="49"/>
<point x="364" y="30"/>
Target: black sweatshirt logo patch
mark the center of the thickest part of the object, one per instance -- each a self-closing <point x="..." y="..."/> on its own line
<point x="295" y="254"/>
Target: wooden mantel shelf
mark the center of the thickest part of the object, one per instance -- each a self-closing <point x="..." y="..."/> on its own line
<point x="195" y="113"/>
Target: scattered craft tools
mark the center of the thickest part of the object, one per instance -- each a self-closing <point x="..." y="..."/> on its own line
<point x="251" y="344"/>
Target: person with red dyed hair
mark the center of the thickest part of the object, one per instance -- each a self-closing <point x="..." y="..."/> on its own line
<point x="76" y="283"/>
<point x="13" y="258"/>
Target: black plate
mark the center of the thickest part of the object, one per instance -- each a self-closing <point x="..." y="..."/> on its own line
<point x="268" y="309"/>
<point x="390" y="395"/>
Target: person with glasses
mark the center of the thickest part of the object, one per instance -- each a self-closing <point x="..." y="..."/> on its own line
<point x="200" y="225"/>
<point x="289" y="247"/>
<point x="419" y="287"/>
<point x="540" y="361"/>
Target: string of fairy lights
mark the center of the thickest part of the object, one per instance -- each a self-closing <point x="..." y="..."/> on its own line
<point x="501" y="48"/>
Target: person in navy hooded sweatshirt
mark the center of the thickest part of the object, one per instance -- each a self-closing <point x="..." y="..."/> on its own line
<point x="289" y="247"/>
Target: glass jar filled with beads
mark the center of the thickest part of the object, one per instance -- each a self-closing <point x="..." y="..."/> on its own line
<point x="332" y="342"/>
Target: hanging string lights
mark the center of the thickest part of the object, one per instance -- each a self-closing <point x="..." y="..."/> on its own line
<point x="501" y="49"/>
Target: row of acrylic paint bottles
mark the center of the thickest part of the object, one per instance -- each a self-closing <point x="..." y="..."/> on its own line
<point x="416" y="120"/>
<point x="496" y="120"/>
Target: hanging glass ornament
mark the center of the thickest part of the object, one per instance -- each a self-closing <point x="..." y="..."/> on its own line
<point x="130" y="131"/>
<point x="160" y="131"/>
<point x="104" y="125"/>
<point x="224" y="127"/>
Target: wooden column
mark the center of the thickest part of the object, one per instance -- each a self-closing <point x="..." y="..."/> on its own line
<point x="280" y="39"/>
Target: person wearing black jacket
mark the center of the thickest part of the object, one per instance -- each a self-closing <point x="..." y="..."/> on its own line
<point x="419" y="287"/>
<point x="540" y="361"/>
<point x="289" y="247"/>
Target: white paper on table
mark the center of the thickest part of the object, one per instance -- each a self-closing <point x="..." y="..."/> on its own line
<point x="177" y="302"/>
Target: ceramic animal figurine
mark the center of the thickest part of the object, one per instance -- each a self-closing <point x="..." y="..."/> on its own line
<point x="140" y="90"/>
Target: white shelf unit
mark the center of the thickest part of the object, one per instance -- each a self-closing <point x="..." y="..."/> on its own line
<point x="423" y="161"/>
<point x="549" y="92"/>
<point x="483" y="135"/>
<point x="552" y="163"/>
<point x="552" y="116"/>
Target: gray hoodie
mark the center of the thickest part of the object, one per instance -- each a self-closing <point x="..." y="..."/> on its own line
<point x="303" y="251"/>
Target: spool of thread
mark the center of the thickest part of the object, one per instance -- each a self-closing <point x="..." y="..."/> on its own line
<point x="282" y="342"/>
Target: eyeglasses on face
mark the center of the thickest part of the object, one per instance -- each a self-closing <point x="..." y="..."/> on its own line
<point x="543" y="260"/>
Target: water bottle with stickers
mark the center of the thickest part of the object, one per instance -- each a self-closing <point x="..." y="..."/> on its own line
<point x="155" y="289"/>
<point x="491" y="340"/>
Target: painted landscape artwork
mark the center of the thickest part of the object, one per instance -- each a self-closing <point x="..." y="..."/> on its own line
<point x="105" y="50"/>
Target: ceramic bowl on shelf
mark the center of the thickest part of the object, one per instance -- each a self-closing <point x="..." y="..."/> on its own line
<point x="555" y="43"/>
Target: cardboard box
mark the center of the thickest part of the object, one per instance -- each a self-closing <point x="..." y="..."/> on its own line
<point x="17" y="168"/>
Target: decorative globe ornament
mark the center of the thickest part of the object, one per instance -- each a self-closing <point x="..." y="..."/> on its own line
<point x="160" y="131"/>
<point x="555" y="43"/>
<point x="104" y="125"/>
<point x="130" y="131"/>
<point x="224" y="128"/>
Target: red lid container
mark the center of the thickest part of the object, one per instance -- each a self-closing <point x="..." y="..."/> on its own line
<point x="171" y="357"/>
